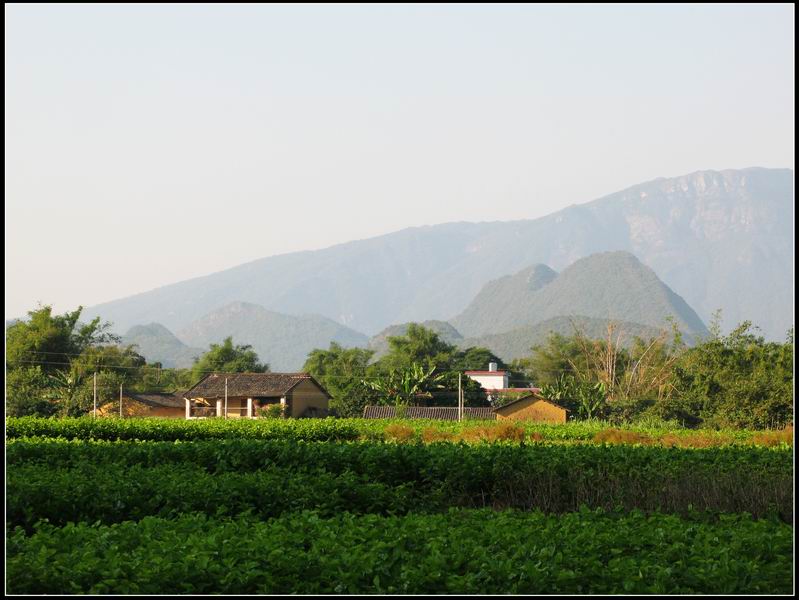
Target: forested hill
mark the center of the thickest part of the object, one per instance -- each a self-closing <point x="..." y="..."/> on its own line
<point x="607" y="285"/>
<point x="719" y="239"/>
<point x="157" y="344"/>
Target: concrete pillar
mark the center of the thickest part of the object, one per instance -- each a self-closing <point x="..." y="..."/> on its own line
<point x="188" y="408"/>
<point x="249" y="408"/>
<point x="283" y="406"/>
<point x="219" y="408"/>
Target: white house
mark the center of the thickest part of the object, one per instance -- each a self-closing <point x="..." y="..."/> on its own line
<point x="491" y="379"/>
<point x="495" y="382"/>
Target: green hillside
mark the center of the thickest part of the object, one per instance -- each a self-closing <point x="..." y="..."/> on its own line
<point x="157" y="344"/>
<point x="607" y="285"/>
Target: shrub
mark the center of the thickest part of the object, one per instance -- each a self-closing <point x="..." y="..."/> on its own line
<point x="774" y="438"/>
<point x="271" y="411"/>
<point x="696" y="440"/>
<point x="431" y="434"/>
<point x="621" y="436"/>
<point x="399" y="433"/>
<point x="508" y="431"/>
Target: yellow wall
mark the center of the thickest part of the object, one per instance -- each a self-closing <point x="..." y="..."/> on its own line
<point x="533" y="409"/>
<point x="236" y="408"/>
<point x="306" y="395"/>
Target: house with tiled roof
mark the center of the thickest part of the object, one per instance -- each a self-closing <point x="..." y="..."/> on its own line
<point x="243" y="395"/>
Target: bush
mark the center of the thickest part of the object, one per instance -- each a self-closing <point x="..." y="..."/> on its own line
<point x="271" y="411"/>
<point x="399" y="433"/>
<point x="774" y="438"/>
<point x="622" y="436"/>
<point x="431" y="434"/>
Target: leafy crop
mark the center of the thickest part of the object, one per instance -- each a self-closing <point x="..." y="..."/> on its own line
<point x="461" y="551"/>
<point x="75" y="480"/>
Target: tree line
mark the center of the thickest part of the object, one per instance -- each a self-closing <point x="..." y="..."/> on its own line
<point x="733" y="380"/>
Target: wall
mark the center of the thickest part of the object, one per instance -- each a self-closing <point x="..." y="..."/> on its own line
<point x="491" y="382"/>
<point x="306" y="395"/>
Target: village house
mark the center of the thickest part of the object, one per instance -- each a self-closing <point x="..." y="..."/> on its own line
<point x="145" y="405"/>
<point x="496" y="383"/>
<point x="241" y="395"/>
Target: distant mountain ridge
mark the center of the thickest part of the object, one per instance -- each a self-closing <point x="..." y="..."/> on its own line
<point x="157" y="344"/>
<point x="719" y="239"/>
<point x="606" y="285"/>
<point x="282" y="341"/>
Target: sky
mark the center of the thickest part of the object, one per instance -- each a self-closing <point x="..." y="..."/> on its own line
<point x="148" y="144"/>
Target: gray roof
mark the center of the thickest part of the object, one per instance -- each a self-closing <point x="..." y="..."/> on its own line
<point x="250" y="385"/>
<point x="443" y="413"/>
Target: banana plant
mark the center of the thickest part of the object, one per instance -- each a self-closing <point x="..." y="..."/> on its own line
<point x="65" y="388"/>
<point x="401" y="386"/>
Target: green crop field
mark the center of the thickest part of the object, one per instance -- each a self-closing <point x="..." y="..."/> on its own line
<point x="160" y="506"/>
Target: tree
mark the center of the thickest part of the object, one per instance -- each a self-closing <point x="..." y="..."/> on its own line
<point x="419" y="346"/>
<point x="341" y="372"/>
<point x="558" y="355"/>
<point x="737" y="380"/>
<point x="227" y="358"/>
<point x="27" y="392"/>
<point x="53" y="340"/>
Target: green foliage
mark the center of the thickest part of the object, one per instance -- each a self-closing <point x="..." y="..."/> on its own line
<point x="27" y="392"/>
<point x="405" y="386"/>
<point x="419" y="346"/>
<point x="271" y="411"/>
<point x="54" y="339"/>
<point x="737" y="380"/>
<point x="226" y="358"/>
<point x="340" y="371"/>
<point x="585" y="400"/>
<point x="329" y="429"/>
<point x="587" y="552"/>
<point x="118" y="481"/>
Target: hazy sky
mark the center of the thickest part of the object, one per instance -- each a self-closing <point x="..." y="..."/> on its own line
<point x="149" y="144"/>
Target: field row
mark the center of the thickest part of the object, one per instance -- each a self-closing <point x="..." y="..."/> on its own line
<point x="461" y="551"/>
<point x="376" y="430"/>
<point x="114" y="492"/>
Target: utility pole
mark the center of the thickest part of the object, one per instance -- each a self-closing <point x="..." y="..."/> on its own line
<point x="120" y="399"/>
<point x="460" y="399"/>
<point x="94" y="413"/>
<point x="226" y="397"/>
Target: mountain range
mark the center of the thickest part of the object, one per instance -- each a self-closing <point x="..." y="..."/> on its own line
<point x="509" y="316"/>
<point x="718" y="239"/>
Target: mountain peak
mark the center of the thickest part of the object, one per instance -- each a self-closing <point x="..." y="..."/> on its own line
<point x="606" y="285"/>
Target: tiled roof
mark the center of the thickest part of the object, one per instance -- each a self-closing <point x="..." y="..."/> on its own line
<point x="250" y="385"/>
<point x="443" y="413"/>
<point x="159" y="399"/>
